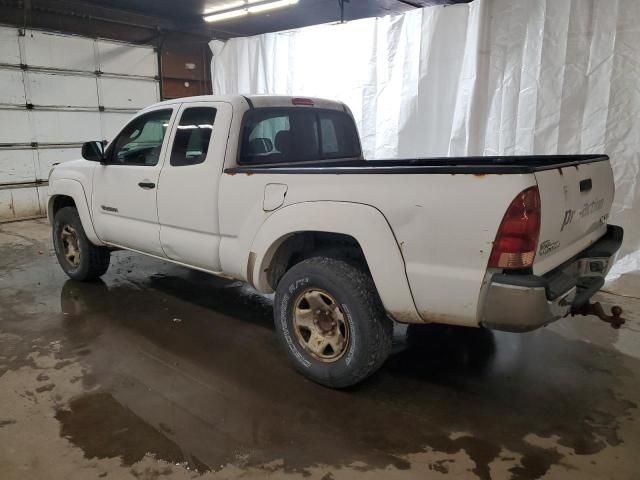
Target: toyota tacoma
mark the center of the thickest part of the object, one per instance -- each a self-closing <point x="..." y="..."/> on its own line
<point x="274" y="191"/>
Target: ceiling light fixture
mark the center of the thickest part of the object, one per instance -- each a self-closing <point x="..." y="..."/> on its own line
<point x="225" y="6"/>
<point x="263" y="7"/>
<point x="228" y="11"/>
<point x="217" y="17"/>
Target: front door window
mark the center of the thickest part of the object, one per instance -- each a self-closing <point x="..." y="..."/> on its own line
<point x="141" y="141"/>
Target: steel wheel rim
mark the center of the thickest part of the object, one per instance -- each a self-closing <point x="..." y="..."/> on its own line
<point x="70" y="246"/>
<point x="320" y="325"/>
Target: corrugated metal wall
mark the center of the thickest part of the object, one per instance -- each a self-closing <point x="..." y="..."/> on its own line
<point x="57" y="91"/>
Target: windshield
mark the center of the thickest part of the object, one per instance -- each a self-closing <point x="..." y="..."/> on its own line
<point x="277" y="135"/>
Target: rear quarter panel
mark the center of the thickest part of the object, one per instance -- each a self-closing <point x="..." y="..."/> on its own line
<point x="444" y="226"/>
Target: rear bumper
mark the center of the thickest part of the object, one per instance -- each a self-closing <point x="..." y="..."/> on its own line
<point x="520" y="303"/>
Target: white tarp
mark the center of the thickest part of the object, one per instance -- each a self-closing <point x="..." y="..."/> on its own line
<point x="490" y="77"/>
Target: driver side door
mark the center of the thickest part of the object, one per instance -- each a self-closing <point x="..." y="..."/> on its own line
<point x="124" y="201"/>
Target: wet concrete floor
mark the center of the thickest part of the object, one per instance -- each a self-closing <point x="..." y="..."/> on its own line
<point x="158" y="371"/>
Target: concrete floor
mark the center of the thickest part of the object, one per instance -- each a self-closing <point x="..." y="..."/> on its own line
<point x="161" y="371"/>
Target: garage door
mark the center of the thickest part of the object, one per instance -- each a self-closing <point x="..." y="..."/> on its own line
<point x="56" y="92"/>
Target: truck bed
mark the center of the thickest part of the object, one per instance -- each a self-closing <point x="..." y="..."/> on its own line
<point x="442" y="165"/>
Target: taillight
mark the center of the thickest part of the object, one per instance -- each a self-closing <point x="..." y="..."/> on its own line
<point x="517" y="239"/>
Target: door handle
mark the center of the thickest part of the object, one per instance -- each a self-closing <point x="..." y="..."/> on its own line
<point x="147" y="185"/>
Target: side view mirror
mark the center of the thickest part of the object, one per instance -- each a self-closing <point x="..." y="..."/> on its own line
<point x="93" y="151"/>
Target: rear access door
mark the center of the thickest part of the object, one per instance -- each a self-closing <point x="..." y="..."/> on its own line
<point x="576" y="201"/>
<point x="189" y="184"/>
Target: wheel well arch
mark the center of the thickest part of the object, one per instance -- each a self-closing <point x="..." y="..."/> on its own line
<point x="359" y="230"/>
<point x="69" y="192"/>
<point x="299" y="246"/>
<point x="59" y="201"/>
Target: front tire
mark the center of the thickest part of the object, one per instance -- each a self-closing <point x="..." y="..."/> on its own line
<point x="79" y="258"/>
<point x="331" y="322"/>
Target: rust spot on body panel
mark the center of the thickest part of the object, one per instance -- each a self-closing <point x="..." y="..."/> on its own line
<point x="433" y="317"/>
<point x="405" y="317"/>
<point x="250" y="266"/>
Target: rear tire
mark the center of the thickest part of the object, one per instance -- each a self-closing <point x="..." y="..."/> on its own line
<point x="79" y="258"/>
<point x="331" y="322"/>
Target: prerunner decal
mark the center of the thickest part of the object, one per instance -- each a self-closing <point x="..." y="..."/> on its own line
<point x="586" y="210"/>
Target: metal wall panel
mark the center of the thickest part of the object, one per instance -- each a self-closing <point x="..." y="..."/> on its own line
<point x="52" y="50"/>
<point x="66" y="127"/>
<point x="20" y="203"/>
<point x="12" y="88"/>
<point x="6" y="205"/>
<point x="41" y="192"/>
<point x="9" y="48"/>
<point x="14" y="127"/>
<point x="128" y="93"/>
<point x="62" y="90"/>
<point x="57" y="91"/>
<point x="125" y="59"/>
<point x="26" y="202"/>
<point x="18" y="166"/>
<point x="6" y="210"/>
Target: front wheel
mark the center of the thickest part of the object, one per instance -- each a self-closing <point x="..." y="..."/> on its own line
<point x="78" y="257"/>
<point x="331" y="322"/>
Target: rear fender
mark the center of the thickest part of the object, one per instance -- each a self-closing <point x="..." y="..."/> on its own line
<point x="365" y="224"/>
<point x="73" y="188"/>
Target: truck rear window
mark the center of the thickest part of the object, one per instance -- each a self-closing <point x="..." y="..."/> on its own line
<point x="277" y="135"/>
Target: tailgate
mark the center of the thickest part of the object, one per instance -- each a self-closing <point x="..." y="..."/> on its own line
<point x="575" y="202"/>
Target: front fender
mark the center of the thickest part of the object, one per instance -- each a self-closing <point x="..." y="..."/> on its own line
<point x="74" y="189"/>
<point x="364" y="223"/>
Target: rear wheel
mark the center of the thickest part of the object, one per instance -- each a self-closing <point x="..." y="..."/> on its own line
<point x="78" y="257"/>
<point x="331" y="322"/>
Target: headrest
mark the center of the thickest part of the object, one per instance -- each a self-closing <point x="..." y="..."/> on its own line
<point x="283" y="141"/>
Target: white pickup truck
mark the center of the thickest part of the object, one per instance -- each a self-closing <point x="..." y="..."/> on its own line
<point x="274" y="191"/>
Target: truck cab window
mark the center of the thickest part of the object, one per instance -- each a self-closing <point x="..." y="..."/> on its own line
<point x="140" y="141"/>
<point x="193" y="135"/>
<point x="278" y="135"/>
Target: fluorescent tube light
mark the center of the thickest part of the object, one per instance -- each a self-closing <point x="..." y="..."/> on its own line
<point x="225" y="6"/>
<point x="271" y="6"/>
<point x="230" y="10"/>
<point x="216" y="17"/>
